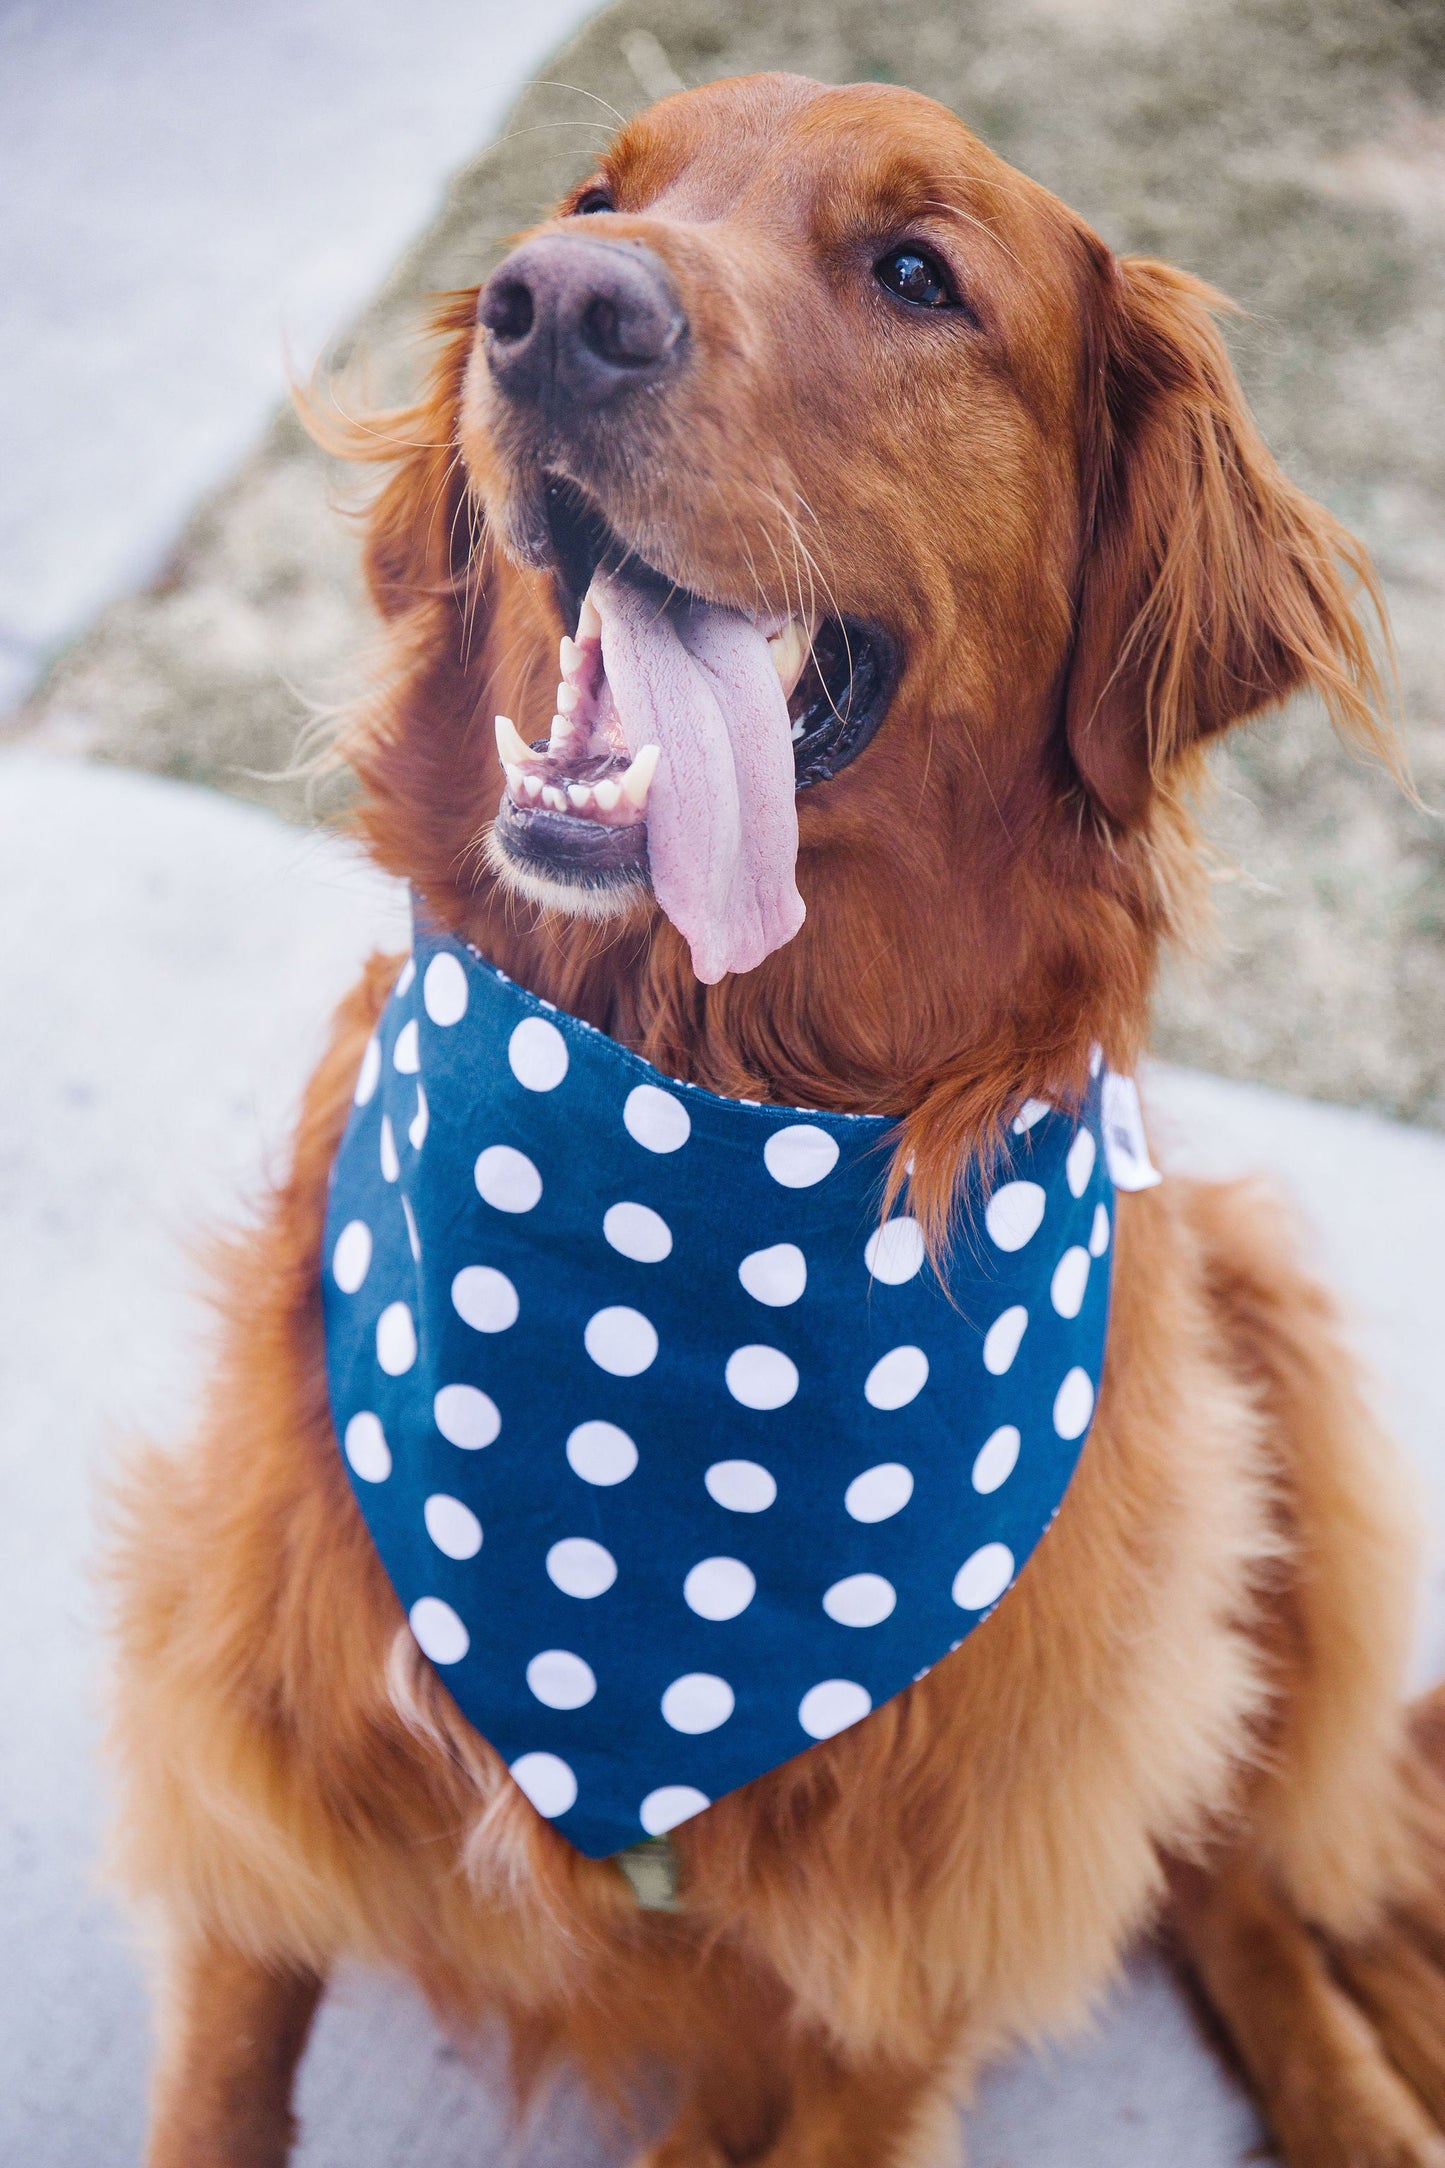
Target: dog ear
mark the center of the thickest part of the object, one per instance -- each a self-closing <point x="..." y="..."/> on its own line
<point x="464" y="630"/>
<point x="1211" y="587"/>
<point x="419" y="529"/>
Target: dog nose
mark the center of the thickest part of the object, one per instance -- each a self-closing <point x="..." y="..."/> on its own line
<point x="581" y="319"/>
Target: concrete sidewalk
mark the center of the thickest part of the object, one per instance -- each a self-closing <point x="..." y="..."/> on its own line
<point x="194" y="191"/>
<point x="169" y="960"/>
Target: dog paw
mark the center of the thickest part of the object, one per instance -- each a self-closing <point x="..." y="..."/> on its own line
<point x="691" y="2149"/>
<point x="1397" y="1983"/>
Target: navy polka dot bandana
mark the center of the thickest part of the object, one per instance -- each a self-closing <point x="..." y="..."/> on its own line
<point x="677" y="1459"/>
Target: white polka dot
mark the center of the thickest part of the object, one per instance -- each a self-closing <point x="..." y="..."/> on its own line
<point x="896" y="1378"/>
<point x="800" y="1156"/>
<point x="741" y="1486"/>
<point x="537" y="1052"/>
<point x="878" y="1493"/>
<point x="545" y="1778"/>
<point x="466" y="1417"/>
<point x="1032" y="1110"/>
<point x="621" y="1341"/>
<point x="669" y="1805"/>
<point x="367" y="1449"/>
<point x="601" y="1453"/>
<point x="863" y="1599"/>
<point x="440" y="1634"/>
<point x="1099" y="1232"/>
<point x="420" y="1121"/>
<point x="776" y="1276"/>
<point x="444" y="990"/>
<point x="506" y="1179"/>
<point x="351" y="1258"/>
<point x="761" y="1377"/>
<point x="395" y="1339"/>
<point x="390" y="1164"/>
<point x="636" y="1231"/>
<point x="453" y="1527"/>
<point x="413" y="1239"/>
<point x="1070" y="1280"/>
<point x="698" y="1701"/>
<point x="1080" y="1163"/>
<point x="719" y="1588"/>
<point x="405" y="978"/>
<point x="1001" y="1341"/>
<point x="982" y="1579"/>
<point x="580" y="1567"/>
<point x="996" y="1458"/>
<point x="893" y="1252"/>
<point x="1013" y="1213"/>
<point x="406" y="1054"/>
<point x="831" y="1706"/>
<point x="369" y="1074"/>
<point x="484" y="1298"/>
<point x="561" y="1680"/>
<point x="656" y="1120"/>
<point x="1074" y="1404"/>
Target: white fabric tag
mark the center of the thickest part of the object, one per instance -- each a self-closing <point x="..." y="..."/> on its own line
<point x="1125" y="1146"/>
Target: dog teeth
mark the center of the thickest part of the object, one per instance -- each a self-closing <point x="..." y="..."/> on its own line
<point x="589" y="623"/>
<point x="607" y="795"/>
<point x="553" y="797"/>
<point x="570" y="658"/>
<point x="580" y="795"/>
<point x="563" y="732"/>
<point x="511" y="745"/>
<point x="533" y="785"/>
<point x="569" y="698"/>
<point x="789" y="650"/>
<point x="516" y="777"/>
<point x="637" y="780"/>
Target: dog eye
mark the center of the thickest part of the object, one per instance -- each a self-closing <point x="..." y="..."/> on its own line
<point x="590" y="202"/>
<point x="916" y="277"/>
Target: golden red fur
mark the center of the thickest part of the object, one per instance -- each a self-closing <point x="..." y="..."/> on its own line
<point x="1193" y="1698"/>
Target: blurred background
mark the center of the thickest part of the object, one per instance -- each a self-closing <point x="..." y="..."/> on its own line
<point x="195" y="195"/>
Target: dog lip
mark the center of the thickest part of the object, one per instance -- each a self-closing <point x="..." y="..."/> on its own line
<point x="585" y="854"/>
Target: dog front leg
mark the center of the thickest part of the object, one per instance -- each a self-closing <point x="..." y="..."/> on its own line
<point x="1322" y="2071"/>
<point x="232" y="2034"/>
<point x="813" y="2112"/>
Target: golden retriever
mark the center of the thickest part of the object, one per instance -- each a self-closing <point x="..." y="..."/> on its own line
<point x="817" y="356"/>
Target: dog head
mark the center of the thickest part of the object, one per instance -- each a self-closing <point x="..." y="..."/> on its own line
<point x="908" y="547"/>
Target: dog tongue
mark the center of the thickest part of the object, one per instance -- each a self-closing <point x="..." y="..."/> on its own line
<point x="722" y="827"/>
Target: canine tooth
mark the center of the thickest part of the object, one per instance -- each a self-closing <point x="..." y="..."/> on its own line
<point x="580" y="795"/>
<point x="789" y="650"/>
<point x="532" y="785"/>
<point x="569" y="698"/>
<point x="511" y="745"/>
<point x="607" y="795"/>
<point x="555" y="798"/>
<point x="635" y="783"/>
<point x="589" y="623"/>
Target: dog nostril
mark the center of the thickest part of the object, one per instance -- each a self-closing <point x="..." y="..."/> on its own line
<point x="623" y="341"/>
<point x="507" y="311"/>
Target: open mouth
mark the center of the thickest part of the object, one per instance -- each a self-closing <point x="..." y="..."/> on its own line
<point x="678" y="725"/>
